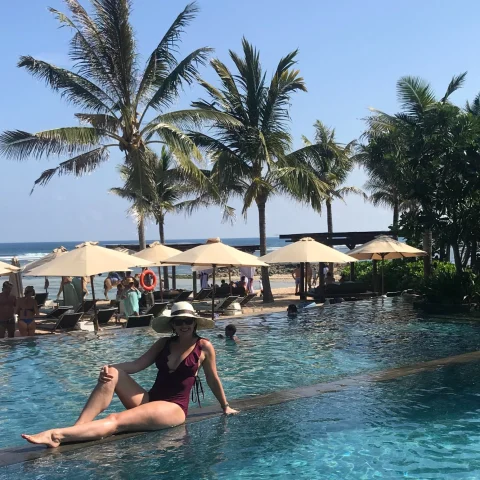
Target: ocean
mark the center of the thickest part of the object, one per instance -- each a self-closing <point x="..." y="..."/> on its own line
<point x="31" y="251"/>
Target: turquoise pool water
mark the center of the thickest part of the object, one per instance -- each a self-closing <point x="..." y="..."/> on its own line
<point x="47" y="380"/>
<point x="426" y="426"/>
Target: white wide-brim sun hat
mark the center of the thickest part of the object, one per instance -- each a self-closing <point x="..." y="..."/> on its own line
<point x="181" y="310"/>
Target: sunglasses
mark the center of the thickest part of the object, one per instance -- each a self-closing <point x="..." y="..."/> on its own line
<point x="178" y="322"/>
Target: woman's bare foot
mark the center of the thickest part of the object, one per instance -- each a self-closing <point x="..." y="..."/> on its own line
<point x="43" y="438"/>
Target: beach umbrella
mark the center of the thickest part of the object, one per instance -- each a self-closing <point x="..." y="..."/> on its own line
<point x="15" y="278"/>
<point x="215" y="254"/>
<point x="88" y="260"/>
<point x="41" y="261"/>
<point x="7" y="269"/>
<point x="157" y="253"/>
<point x="385" y="248"/>
<point x="306" y="250"/>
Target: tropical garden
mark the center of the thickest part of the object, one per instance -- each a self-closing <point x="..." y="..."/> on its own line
<point x="422" y="162"/>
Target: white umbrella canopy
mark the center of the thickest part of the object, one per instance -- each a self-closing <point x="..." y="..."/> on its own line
<point x="385" y="248"/>
<point x="45" y="259"/>
<point x="215" y="254"/>
<point x="86" y="260"/>
<point x="157" y="253"/>
<point x="307" y="250"/>
<point x="7" y="269"/>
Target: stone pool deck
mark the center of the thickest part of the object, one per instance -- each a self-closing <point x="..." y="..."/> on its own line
<point x="10" y="456"/>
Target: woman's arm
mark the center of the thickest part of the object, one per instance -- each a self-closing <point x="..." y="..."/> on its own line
<point x="213" y="380"/>
<point x="35" y="308"/>
<point x="144" y="361"/>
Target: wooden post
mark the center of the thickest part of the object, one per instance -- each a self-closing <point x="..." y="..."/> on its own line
<point x="374" y="275"/>
<point x="194" y="282"/>
<point x="213" y="292"/>
<point x="230" y="280"/>
<point x="95" y="316"/>
<point x="352" y="271"/>
<point x="165" y="278"/>
<point x="302" y="281"/>
<point x="160" y="283"/>
<point x="174" y="278"/>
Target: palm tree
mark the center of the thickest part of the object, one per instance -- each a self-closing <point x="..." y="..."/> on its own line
<point x="124" y="105"/>
<point x="332" y="168"/>
<point x="250" y="151"/>
<point x="417" y="132"/>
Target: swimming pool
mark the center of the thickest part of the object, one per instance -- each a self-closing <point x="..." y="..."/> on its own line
<point x="424" y="426"/>
<point x="49" y="378"/>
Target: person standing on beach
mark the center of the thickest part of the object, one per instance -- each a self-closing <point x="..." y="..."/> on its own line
<point x="7" y="311"/>
<point x="296" y="277"/>
<point x="131" y="299"/>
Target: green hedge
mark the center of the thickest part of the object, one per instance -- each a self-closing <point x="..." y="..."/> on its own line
<point x="444" y="285"/>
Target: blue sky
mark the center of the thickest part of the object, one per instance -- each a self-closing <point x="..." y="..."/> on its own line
<point x="351" y="55"/>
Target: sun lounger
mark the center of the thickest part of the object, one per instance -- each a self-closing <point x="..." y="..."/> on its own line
<point x="104" y="316"/>
<point x="156" y="309"/>
<point x="246" y="300"/>
<point x="85" y="307"/>
<point x="181" y="297"/>
<point x="67" y="321"/>
<point x="225" y="303"/>
<point x="139" y="321"/>
<point x="56" y="312"/>
<point x="41" y="298"/>
<point x="202" y="294"/>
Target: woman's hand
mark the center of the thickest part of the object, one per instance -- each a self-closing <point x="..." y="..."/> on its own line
<point x="105" y="376"/>
<point x="230" y="411"/>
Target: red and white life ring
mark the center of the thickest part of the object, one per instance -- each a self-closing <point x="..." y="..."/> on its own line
<point x="148" y="288"/>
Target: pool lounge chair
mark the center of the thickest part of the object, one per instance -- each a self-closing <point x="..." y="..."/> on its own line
<point x="104" y="316"/>
<point x="136" y="321"/>
<point x="41" y="298"/>
<point x="85" y="307"/>
<point x="67" y="321"/>
<point x="202" y="294"/>
<point x="56" y="313"/>
<point x="246" y="300"/>
<point x="156" y="309"/>
<point x="181" y="297"/>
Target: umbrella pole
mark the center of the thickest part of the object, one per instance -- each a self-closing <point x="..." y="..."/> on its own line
<point x="95" y="316"/>
<point x="230" y="279"/>
<point x="383" y="268"/>
<point x="213" y="292"/>
<point x="160" y="283"/>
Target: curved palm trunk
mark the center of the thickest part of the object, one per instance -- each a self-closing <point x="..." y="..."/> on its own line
<point x="329" y="228"/>
<point x="267" y="290"/>
<point x="161" y="231"/>
<point x="141" y="232"/>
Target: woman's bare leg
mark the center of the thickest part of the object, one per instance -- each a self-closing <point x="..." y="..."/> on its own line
<point x="149" y="416"/>
<point x="23" y="328"/>
<point x="31" y="328"/>
<point x="130" y="393"/>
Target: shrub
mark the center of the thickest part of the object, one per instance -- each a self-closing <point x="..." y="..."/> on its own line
<point x="445" y="286"/>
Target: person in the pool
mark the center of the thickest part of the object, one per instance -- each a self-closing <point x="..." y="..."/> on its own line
<point x="230" y="333"/>
<point x="27" y="310"/>
<point x="165" y="405"/>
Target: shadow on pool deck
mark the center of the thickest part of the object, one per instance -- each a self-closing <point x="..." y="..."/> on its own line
<point x="9" y="456"/>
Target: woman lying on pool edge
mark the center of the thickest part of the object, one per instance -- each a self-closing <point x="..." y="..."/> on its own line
<point x="178" y="360"/>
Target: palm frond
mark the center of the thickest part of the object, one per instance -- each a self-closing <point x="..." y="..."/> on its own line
<point x="162" y="60"/>
<point x="101" y="121"/>
<point x="415" y="95"/>
<point x="19" y="145"/>
<point x="74" y="88"/>
<point x="474" y="107"/>
<point x="79" y="165"/>
<point x="168" y="87"/>
<point x="455" y="83"/>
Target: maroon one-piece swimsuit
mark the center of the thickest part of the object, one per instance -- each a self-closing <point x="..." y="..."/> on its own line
<point x="176" y="386"/>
